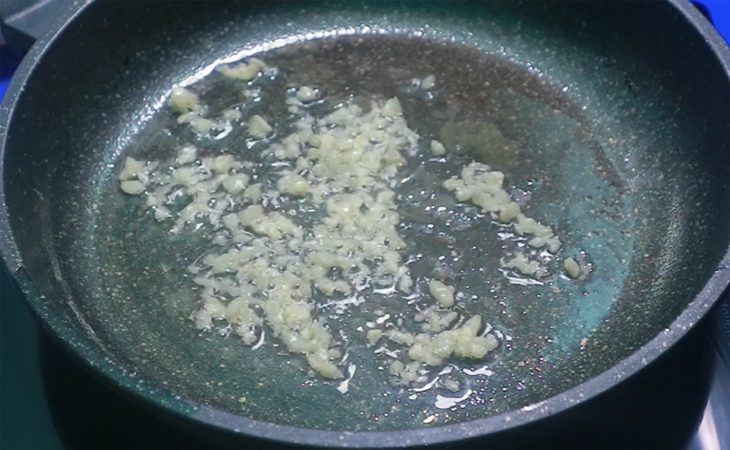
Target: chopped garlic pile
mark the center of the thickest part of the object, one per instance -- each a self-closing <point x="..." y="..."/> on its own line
<point x="483" y="187"/>
<point x="267" y="264"/>
<point x="433" y="349"/>
<point x="344" y="161"/>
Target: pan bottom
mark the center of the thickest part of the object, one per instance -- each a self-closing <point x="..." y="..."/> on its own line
<point x="139" y="298"/>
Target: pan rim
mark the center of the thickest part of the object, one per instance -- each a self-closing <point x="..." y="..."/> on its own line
<point x="92" y="357"/>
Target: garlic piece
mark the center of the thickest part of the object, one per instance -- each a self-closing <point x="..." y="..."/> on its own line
<point x="258" y="127"/>
<point x="443" y="293"/>
<point x="132" y="187"/>
<point x="245" y="71"/>
<point x="437" y="148"/>
<point x="572" y="269"/>
<point x="183" y="100"/>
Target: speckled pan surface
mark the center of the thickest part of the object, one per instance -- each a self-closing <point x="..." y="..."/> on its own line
<point x="616" y="120"/>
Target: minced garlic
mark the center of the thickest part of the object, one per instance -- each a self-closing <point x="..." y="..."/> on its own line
<point x="348" y="159"/>
<point x="434" y="321"/>
<point x="373" y="336"/>
<point x="463" y="341"/>
<point x="437" y="148"/>
<point x="245" y="71"/>
<point x="523" y="264"/>
<point x="267" y="264"/>
<point x="307" y="94"/>
<point x="293" y="184"/>
<point x="483" y="187"/>
<point x="132" y="187"/>
<point x="258" y="127"/>
<point x="571" y="267"/>
<point x="131" y="169"/>
<point x="183" y="100"/>
<point x="429" y="82"/>
<point x="443" y="294"/>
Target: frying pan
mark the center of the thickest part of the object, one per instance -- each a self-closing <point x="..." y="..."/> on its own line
<point x="613" y="114"/>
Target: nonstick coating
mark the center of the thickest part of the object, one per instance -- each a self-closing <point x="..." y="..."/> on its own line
<point x="616" y="112"/>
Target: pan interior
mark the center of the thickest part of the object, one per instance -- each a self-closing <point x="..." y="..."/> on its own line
<point x="623" y="185"/>
<point x="492" y="111"/>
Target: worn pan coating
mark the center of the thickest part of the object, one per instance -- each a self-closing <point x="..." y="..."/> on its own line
<point x="617" y="113"/>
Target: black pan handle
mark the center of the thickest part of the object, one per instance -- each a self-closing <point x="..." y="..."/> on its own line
<point x="22" y="22"/>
